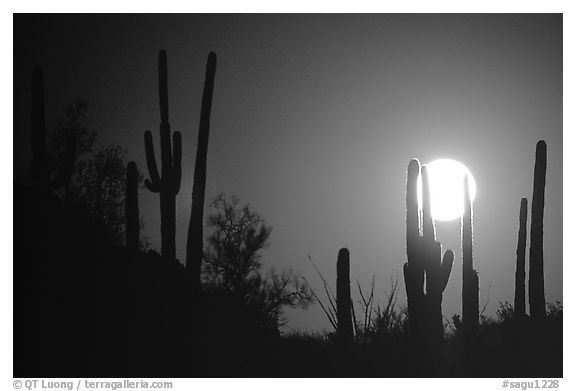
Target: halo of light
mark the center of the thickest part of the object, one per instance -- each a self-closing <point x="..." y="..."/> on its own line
<point x="446" y="179"/>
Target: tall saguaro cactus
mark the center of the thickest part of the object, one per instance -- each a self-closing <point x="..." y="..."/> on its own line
<point x="343" y="299"/>
<point x="43" y="180"/>
<point x="168" y="182"/>
<point x="520" y="289"/>
<point x="536" y="274"/>
<point x="131" y="204"/>
<point x="424" y="266"/>
<point x="195" y="228"/>
<point x="470" y="283"/>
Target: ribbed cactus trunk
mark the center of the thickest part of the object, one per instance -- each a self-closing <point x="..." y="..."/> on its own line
<point x="536" y="277"/>
<point x="414" y="268"/>
<point x="168" y="185"/>
<point x="520" y="289"/>
<point x="470" y="283"/>
<point x="344" y="331"/>
<point x="131" y="207"/>
<point x="40" y="173"/>
<point x="195" y="239"/>
<point x="425" y="266"/>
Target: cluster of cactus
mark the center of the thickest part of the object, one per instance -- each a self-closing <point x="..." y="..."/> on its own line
<point x="131" y="207"/>
<point x="470" y="283"/>
<point x="43" y="179"/>
<point x="194" y="245"/>
<point x="425" y="273"/>
<point x="344" y="331"/>
<point x="167" y="184"/>
<point x="536" y="296"/>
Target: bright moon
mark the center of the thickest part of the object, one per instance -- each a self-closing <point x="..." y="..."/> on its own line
<point x="446" y="179"/>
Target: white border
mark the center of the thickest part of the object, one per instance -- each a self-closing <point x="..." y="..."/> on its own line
<point x="294" y="6"/>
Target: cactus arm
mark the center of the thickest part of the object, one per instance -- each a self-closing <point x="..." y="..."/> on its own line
<point x="150" y="186"/>
<point x="427" y="222"/>
<point x="412" y="217"/>
<point x="467" y="229"/>
<point x="154" y="183"/>
<point x="176" y="161"/>
<point x="163" y="85"/>
<point x="407" y="279"/>
<point x="445" y="269"/>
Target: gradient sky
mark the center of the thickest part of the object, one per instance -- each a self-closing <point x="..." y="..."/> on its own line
<point x="315" y="119"/>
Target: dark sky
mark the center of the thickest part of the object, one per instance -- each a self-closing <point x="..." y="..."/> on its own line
<point x="315" y="119"/>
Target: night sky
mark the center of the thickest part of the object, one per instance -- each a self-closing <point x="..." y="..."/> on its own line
<point x="315" y="119"/>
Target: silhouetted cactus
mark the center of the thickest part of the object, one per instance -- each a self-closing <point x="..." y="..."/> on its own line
<point x="344" y="332"/>
<point x="424" y="264"/>
<point x="470" y="283"/>
<point x="536" y="274"/>
<point x="131" y="205"/>
<point x="520" y="291"/>
<point x="43" y="180"/>
<point x="195" y="228"/>
<point x="168" y="185"/>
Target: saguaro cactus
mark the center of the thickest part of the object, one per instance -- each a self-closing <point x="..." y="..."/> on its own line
<point x="168" y="185"/>
<point x="195" y="228"/>
<point x="470" y="283"/>
<point x="43" y="181"/>
<point x="536" y="273"/>
<point x="520" y="291"/>
<point x="424" y="263"/>
<point x="343" y="299"/>
<point x="131" y="205"/>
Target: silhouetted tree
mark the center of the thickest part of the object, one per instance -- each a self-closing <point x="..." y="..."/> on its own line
<point x="195" y="239"/>
<point x="96" y="185"/>
<point x="99" y="188"/>
<point x="166" y="182"/>
<point x="131" y="207"/>
<point x="232" y="263"/>
<point x="72" y="126"/>
<point x="45" y="176"/>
